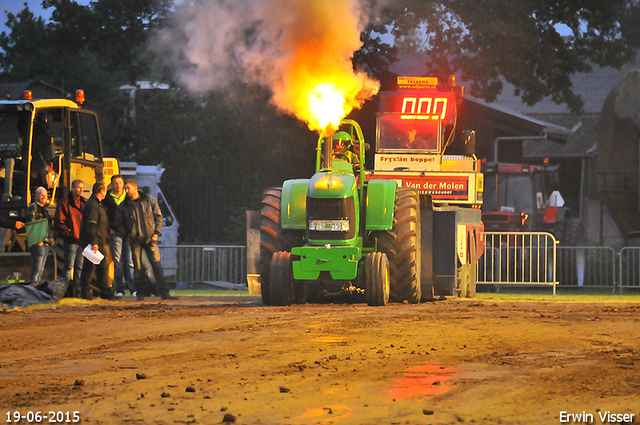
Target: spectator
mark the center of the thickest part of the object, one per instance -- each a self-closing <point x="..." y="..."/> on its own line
<point x="11" y="224"/>
<point x="139" y="219"/>
<point x="38" y="210"/>
<point x="67" y="222"/>
<point x="120" y="248"/>
<point x="94" y="231"/>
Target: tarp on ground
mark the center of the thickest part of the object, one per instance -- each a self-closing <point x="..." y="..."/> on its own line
<point x="24" y="295"/>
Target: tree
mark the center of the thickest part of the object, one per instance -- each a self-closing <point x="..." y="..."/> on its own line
<point x="25" y="48"/>
<point x="489" y="42"/>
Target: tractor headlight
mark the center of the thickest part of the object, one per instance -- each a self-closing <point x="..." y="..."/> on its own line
<point x="329" y="225"/>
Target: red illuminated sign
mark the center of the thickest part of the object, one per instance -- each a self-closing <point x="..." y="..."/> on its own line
<point x="424" y="108"/>
<point x="420" y="105"/>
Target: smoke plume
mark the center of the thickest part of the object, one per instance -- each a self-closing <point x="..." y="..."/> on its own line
<point x="300" y="49"/>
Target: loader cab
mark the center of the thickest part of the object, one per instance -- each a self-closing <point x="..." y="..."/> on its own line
<point x="46" y="143"/>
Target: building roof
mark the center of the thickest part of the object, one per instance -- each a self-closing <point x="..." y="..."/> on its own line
<point x="593" y="88"/>
<point x="555" y="131"/>
<point x="582" y="141"/>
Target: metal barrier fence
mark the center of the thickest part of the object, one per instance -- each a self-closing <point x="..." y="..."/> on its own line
<point x="518" y="258"/>
<point x="205" y="263"/>
<point x="509" y="259"/>
<point x="629" y="267"/>
<point x="522" y="258"/>
<point x="587" y="267"/>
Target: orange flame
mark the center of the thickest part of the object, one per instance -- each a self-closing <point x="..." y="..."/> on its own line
<point x="300" y="49"/>
<point x="318" y="83"/>
<point x="326" y="106"/>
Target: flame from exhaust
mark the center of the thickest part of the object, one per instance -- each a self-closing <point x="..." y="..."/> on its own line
<point x="319" y="84"/>
<point x="300" y="49"/>
<point x="327" y="103"/>
<point x="326" y="106"/>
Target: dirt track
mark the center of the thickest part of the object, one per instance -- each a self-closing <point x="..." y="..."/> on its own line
<point x="197" y="360"/>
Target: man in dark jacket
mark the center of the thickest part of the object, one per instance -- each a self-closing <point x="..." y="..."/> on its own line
<point x="11" y="224"/>
<point x="139" y="219"/>
<point x="120" y="248"/>
<point x="67" y="222"/>
<point x="94" y="231"/>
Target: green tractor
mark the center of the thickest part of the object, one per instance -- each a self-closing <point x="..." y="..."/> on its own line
<point x="338" y="232"/>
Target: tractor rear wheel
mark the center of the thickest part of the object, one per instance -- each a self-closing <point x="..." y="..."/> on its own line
<point x="272" y="237"/>
<point x="376" y="279"/>
<point x="402" y="245"/>
<point x="281" y="287"/>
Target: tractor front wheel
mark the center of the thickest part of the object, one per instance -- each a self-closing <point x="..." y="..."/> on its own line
<point x="376" y="279"/>
<point x="281" y="287"/>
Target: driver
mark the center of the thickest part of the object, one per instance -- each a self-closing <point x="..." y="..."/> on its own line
<point x="342" y="148"/>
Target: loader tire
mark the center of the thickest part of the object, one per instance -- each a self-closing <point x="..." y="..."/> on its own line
<point x="376" y="279"/>
<point x="272" y="238"/>
<point x="402" y="245"/>
<point x="281" y="285"/>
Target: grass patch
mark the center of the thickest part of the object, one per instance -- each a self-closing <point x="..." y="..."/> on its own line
<point x="209" y="293"/>
<point x="586" y="295"/>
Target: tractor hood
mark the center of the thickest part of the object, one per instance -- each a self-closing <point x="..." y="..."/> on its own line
<point x="332" y="184"/>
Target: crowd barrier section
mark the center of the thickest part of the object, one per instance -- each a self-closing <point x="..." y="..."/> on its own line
<point x="587" y="267"/>
<point x="629" y="268"/>
<point x="206" y="263"/>
<point x="519" y="258"/>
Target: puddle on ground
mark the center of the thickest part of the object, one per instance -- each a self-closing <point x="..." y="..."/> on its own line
<point x="421" y="382"/>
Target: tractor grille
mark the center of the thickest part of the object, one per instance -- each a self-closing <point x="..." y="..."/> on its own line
<point x="332" y="209"/>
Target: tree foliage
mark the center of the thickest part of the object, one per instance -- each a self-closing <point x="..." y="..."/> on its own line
<point x="489" y="42"/>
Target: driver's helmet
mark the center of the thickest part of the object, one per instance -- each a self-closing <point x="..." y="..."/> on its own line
<point x="341" y="141"/>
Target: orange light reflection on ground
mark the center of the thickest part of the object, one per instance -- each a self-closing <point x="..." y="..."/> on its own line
<point x="329" y="339"/>
<point x="332" y="412"/>
<point x="422" y="381"/>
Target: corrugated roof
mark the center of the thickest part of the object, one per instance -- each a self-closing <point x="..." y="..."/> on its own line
<point x="581" y="142"/>
<point x="553" y="129"/>
<point x="593" y="88"/>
